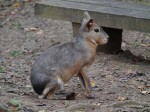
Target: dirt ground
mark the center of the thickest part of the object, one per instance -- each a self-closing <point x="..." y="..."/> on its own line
<point x="121" y="83"/>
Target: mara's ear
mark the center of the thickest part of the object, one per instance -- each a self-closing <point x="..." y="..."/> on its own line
<point x="90" y="23"/>
<point x="86" y="15"/>
<point x="86" y="18"/>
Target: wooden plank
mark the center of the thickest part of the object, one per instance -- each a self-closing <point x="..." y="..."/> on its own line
<point x="114" y="4"/>
<point x="98" y="8"/>
<point x="107" y="16"/>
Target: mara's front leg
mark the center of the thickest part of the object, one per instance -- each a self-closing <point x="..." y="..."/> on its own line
<point x="85" y="83"/>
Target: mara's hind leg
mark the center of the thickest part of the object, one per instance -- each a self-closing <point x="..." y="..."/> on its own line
<point x="61" y="90"/>
<point x="49" y="90"/>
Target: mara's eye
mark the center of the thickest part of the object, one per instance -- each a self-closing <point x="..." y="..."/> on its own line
<point x="96" y="30"/>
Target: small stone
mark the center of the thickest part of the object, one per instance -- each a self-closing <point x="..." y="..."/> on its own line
<point x="26" y="29"/>
<point x="12" y="13"/>
<point x="28" y="86"/>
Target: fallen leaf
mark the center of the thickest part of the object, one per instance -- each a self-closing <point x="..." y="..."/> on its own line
<point x="97" y="104"/>
<point x="18" y="4"/>
<point x="145" y="92"/>
<point x="41" y="111"/>
<point x="33" y="29"/>
<point x="92" y="83"/>
<point x="141" y="87"/>
<point x="120" y="98"/>
<point x="8" y="50"/>
<point x="129" y="71"/>
<point x="145" y="45"/>
<point x="40" y="32"/>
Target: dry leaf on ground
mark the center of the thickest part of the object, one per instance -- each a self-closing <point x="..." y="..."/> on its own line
<point x="122" y="98"/>
<point x="145" y="92"/>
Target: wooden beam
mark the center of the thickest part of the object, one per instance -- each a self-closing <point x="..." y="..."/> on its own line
<point x="107" y="14"/>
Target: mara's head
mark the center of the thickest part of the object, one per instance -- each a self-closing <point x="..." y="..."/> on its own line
<point x="91" y="31"/>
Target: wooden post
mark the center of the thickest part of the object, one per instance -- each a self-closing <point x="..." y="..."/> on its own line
<point x="114" y="43"/>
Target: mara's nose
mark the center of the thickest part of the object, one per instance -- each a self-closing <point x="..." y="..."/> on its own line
<point x="107" y="37"/>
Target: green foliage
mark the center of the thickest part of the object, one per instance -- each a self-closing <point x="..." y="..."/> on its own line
<point x="15" y="53"/>
<point x="3" y="108"/>
<point x="2" y="69"/>
<point x="15" y="24"/>
<point x="16" y="104"/>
